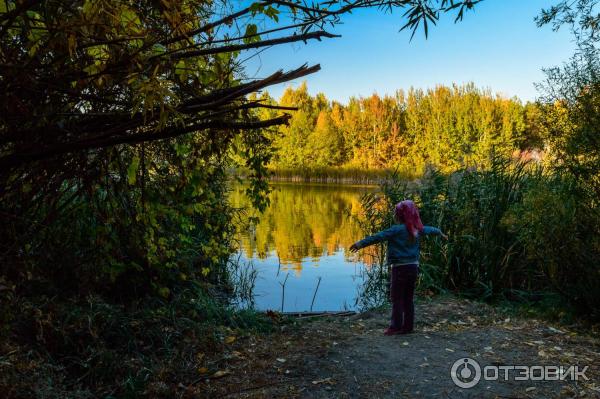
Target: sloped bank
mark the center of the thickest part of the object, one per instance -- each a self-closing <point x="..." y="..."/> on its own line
<point x="337" y="357"/>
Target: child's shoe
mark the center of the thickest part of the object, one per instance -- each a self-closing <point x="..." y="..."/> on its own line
<point x="392" y="331"/>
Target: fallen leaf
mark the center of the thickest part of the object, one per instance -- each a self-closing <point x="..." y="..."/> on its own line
<point x="593" y="387"/>
<point x="230" y="339"/>
<point x="327" y="380"/>
<point x="281" y="360"/>
<point x="220" y="374"/>
<point x="529" y="389"/>
<point x="202" y="370"/>
<point x="450" y="350"/>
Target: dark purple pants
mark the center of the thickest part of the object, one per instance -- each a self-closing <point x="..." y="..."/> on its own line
<point x="402" y="291"/>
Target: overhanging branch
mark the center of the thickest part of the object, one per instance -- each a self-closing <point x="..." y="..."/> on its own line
<point x="13" y="160"/>
<point x="263" y="43"/>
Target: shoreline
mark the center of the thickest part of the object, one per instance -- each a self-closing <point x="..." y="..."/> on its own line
<point x="327" y="182"/>
<point x="328" y="177"/>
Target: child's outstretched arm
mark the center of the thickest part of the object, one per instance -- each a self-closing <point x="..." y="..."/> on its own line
<point x="374" y="239"/>
<point x="429" y="230"/>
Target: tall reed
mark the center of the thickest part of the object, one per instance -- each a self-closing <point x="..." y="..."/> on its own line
<point x="515" y="232"/>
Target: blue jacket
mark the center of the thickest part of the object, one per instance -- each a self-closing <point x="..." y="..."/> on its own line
<point x="401" y="249"/>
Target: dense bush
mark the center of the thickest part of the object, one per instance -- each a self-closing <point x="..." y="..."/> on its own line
<point x="130" y="231"/>
<point x="90" y="348"/>
<point x="558" y="226"/>
<point x="515" y="232"/>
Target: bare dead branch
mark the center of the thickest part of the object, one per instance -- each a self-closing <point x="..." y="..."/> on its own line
<point x="263" y="43"/>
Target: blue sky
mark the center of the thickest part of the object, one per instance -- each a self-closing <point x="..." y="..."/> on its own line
<point x="497" y="46"/>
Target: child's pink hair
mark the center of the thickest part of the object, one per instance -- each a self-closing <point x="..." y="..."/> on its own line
<point x="408" y="213"/>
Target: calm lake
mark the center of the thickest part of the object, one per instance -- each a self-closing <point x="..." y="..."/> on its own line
<point x="304" y="236"/>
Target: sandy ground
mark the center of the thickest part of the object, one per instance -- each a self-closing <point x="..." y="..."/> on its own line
<point x="349" y="357"/>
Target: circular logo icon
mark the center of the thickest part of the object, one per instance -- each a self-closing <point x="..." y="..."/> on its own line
<point x="465" y="372"/>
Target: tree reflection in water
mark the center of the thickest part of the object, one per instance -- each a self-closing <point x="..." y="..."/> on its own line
<point x="303" y="235"/>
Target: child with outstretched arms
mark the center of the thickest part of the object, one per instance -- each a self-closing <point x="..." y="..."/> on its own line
<point x="403" y="258"/>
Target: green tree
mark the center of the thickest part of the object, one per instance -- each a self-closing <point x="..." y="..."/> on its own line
<point x="326" y="143"/>
<point x="447" y="127"/>
<point x="571" y="95"/>
<point x="117" y="122"/>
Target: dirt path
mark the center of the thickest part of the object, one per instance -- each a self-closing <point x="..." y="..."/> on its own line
<point x="350" y="358"/>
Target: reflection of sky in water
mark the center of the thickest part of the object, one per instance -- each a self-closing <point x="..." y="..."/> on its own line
<point x="337" y="291"/>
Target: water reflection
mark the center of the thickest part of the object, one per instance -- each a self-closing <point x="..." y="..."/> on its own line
<point x="304" y="232"/>
<point x="302" y="221"/>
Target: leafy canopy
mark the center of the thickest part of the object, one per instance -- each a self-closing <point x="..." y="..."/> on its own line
<point x="119" y="120"/>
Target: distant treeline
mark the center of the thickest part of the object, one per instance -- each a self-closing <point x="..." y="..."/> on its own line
<point x="446" y="127"/>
